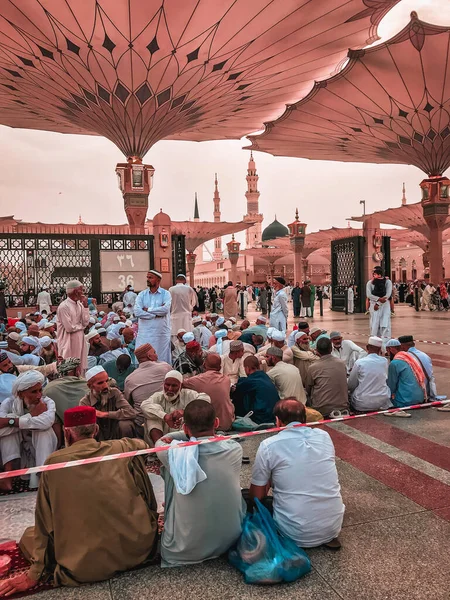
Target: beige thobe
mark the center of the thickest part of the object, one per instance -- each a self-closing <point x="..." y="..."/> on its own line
<point x="288" y="382"/>
<point x="71" y="319"/>
<point x="230" y="307"/>
<point x="143" y="383"/>
<point x="217" y="386"/>
<point x="158" y="406"/>
<point x="233" y="368"/>
<point x="184" y="299"/>
<point x="302" y="360"/>
<point x="95" y="520"/>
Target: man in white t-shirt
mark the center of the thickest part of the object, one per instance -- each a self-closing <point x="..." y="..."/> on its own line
<point x="299" y="464"/>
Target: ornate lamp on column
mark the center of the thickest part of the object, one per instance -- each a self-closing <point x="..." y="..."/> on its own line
<point x="190" y="261"/>
<point x="435" y="205"/>
<point x="297" y="232"/>
<point x="135" y="183"/>
<point x="233" y="255"/>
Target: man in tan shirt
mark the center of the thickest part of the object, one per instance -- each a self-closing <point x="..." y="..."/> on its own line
<point x="286" y="377"/>
<point x="115" y="416"/>
<point x="82" y="512"/>
<point x="217" y="387"/>
<point x="326" y="381"/>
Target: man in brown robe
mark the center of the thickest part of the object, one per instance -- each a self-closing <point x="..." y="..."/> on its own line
<point x="230" y="306"/>
<point x="115" y="416"/>
<point x="83" y="532"/>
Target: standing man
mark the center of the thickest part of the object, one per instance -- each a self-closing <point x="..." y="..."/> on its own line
<point x="230" y="307"/>
<point x="44" y="300"/>
<point x="184" y="299"/>
<point x="152" y="309"/>
<point x="129" y="299"/>
<point x="296" y="292"/>
<point x="306" y="299"/>
<point x="280" y="310"/>
<point x="378" y="292"/>
<point x="72" y="317"/>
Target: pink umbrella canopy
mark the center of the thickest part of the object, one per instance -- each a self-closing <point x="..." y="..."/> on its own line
<point x="389" y="104"/>
<point x="138" y="71"/>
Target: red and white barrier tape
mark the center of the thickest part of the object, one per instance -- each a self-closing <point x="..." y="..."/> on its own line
<point x="359" y="334"/>
<point x="219" y="438"/>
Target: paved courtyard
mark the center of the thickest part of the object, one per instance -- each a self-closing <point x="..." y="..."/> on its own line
<point x="395" y="478"/>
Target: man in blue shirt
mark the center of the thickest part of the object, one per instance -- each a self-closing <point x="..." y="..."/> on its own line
<point x="256" y="393"/>
<point x="407" y="344"/>
<point x="407" y="387"/>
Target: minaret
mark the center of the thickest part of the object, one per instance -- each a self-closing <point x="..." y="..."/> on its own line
<point x="217" y="254"/>
<point x="196" y="213"/>
<point x="404" y="195"/>
<point x="253" y="234"/>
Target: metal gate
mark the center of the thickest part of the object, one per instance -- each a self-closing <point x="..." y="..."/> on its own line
<point x="347" y="268"/>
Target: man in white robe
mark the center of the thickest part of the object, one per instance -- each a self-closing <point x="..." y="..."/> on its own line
<point x="280" y="310"/>
<point x="26" y="425"/>
<point x="129" y="300"/>
<point x="184" y="299"/>
<point x="346" y="350"/>
<point x="72" y="317"/>
<point x="152" y="309"/>
<point x="44" y="300"/>
<point x="380" y="309"/>
<point x="201" y="333"/>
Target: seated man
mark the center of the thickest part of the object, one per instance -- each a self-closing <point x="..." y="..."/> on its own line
<point x="217" y="387"/>
<point x="115" y="350"/>
<point x="392" y="347"/>
<point x="233" y="362"/>
<point x="302" y="326"/>
<point x="256" y="392"/>
<point x="201" y="333"/>
<point x="326" y="382"/>
<point x="253" y="339"/>
<point x="119" y="369"/>
<point x="190" y="362"/>
<point x="178" y="344"/>
<point x="81" y="513"/>
<point x="163" y="411"/>
<point x="97" y="344"/>
<point x="259" y="328"/>
<point x="346" y="350"/>
<point x="67" y="390"/>
<point x="367" y="381"/>
<point x="407" y="344"/>
<point x="204" y="523"/>
<point x="299" y="464"/>
<point x="26" y="425"/>
<point x="279" y="341"/>
<point x="144" y="381"/>
<point x="115" y="416"/>
<point x="303" y="355"/>
<point x="286" y="377"/>
<point x="314" y="334"/>
<point x="406" y="381"/>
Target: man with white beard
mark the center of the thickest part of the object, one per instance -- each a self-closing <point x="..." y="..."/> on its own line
<point x="163" y="411"/>
<point x="26" y="425"/>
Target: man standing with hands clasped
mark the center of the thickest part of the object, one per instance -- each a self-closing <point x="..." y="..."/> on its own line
<point x="280" y="310"/>
<point x="72" y="317"/>
<point x="152" y="308"/>
<point x="378" y="291"/>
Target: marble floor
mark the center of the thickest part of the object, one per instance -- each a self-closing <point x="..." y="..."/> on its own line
<point x="395" y="479"/>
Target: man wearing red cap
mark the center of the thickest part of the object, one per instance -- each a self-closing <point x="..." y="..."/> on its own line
<point x="190" y="362"/>
<point x="78" y="524"/>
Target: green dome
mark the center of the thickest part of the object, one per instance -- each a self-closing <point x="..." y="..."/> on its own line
<point x="274" y="230"/>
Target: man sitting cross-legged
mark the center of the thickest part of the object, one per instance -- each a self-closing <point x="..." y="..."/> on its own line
<point x="367" y="381"/>
<point x="163" y="411"/>
<point x="299" y="464"/>
<point x="115" y="416"/>
<point x="203" y="520"/>
<point x="256" y="392"/>
<point x="92" y="521"/>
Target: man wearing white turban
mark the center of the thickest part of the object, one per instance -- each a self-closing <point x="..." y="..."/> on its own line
<point x="72" y="318"/>
<point x="163" y="411"/>
<point x="26" y="425"/>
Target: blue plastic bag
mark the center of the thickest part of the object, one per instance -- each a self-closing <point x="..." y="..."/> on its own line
<point x="263" y="555"/>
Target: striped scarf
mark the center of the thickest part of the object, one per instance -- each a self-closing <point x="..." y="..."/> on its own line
<point x="415" y="367"/>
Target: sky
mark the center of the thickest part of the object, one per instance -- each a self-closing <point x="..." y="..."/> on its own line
<point x="55" y="178"/>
